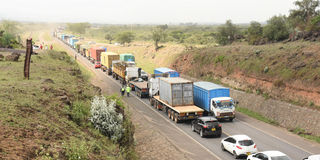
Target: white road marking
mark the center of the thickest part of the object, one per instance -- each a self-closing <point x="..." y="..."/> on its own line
<point x="205" y="148"/>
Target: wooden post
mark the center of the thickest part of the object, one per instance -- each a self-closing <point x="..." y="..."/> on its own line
<point x="28" y="58"/>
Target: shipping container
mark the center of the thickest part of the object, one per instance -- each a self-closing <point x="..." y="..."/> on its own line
<point x="95" y="53"/>
<point x="84" y="49"/>
<point x="172" y="73"/>
<point x="176" y="91"/>
<point x="203" y="92"/>
<point x="72" y="41"/>
<point x="127" y="57"/>
<point x="106" y="60"/>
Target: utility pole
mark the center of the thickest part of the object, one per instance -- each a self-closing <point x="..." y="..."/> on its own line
<point x="28" y="58"/>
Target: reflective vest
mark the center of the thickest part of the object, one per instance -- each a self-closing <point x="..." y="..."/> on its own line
<point x="128" y="89"/>
<point x="122" y="89"/>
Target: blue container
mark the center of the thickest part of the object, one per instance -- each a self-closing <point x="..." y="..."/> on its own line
<point x="203" y="92"/>
<point x="62" y="36"/>
<point x="72" y="41"/>
<point x="172" y="73"/>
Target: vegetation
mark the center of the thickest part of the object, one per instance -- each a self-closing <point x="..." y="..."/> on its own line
<point x="79" y="28"/>
<point x="109" y="37"/>
<point x="159" y="34"/>
<point x="125" y="37"/>
<point x="9" y="37"/>
<point x="48" y="115"/>
<point x="227" y="33"/>
<point x="276" y="29"/>
<point x="255" y="32"/>
<point x="256" y="115"/>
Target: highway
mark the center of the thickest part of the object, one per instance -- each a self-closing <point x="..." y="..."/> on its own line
<point x="267" y="137"/>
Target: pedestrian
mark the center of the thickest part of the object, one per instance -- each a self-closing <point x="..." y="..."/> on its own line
<point x="46" y="47"/>
<point x="51" y="47"/>
<point x="75" y="56"/>
<point x="41" y="46"/>
<point x="122" y="90"/>
<point x="128" y="89"/>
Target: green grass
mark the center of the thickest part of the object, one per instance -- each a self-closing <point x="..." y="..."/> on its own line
<point x="302" y="133"/>
<point x="256" y="115"/>
<point x="35" y="108"/>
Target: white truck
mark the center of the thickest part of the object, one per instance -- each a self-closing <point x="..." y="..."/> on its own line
<point x="214" y="99"/>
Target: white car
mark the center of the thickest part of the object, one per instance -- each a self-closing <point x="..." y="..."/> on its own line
<point x="269" y="155"/>
<point x="313" y="157"/>
<point x="239" y="145"/>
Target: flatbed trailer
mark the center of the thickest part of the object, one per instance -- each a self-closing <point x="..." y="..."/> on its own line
<point x="141" y="88"/>
<point x="177" y="113"/>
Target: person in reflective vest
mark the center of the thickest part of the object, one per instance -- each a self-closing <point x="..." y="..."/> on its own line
<point x="122" y="89"/>
<point x="128" y="89"/>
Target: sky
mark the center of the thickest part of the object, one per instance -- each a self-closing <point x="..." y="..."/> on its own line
<point x="144" y="11"/>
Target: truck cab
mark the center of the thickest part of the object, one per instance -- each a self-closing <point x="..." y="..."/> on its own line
<point x="223" y="108"/>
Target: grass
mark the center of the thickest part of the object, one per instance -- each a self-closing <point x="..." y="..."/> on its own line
<point x="302" y="133"/>
<point x="256" y="115"/>
<point x="49" y="119"/>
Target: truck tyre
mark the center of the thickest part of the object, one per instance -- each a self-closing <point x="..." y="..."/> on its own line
<point x="176" y="118"/>
<point x="113" y="76"/>
<point x="201" y="133"/>
<point x="172" y="115"/>
<point x="231" y="119"/>
<point x="169" y="114"/>
<point x="117" y="77"/>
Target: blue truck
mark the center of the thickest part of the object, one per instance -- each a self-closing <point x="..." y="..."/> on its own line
<point x="172" y="73"/>
<point x="214" y="99"/>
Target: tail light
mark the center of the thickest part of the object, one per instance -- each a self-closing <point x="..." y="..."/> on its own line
<point x="239" y="147"/>
<point x="205" y="126"/>
<point x="255" y="146"/>
<point x="220" y="125"/>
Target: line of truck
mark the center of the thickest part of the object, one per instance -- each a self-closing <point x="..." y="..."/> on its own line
<point x="179" y="98"/>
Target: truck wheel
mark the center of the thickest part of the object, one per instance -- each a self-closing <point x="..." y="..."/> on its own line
<point x="169" y="114"/>
<point x="201" y="133"/>
<point x="172" y="115"/>
<point x="176" y="118"/>
<point x="192" y="128"/>
<point x="113" y="75"/>
<point x="230" y="119"/>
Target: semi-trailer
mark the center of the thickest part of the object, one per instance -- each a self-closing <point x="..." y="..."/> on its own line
<point x="140" y="87"/>
<point x="125" y="71"/>
<point x="214" y="99"/>
<point x="176" y="99"/>
<point x="95" y="56"/>
<point x="106" y="61"/>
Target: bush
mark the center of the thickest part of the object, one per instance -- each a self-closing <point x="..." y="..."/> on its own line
<point x="276" y="29"/>
<point x="79" y="112"/>
<point x="76" y="149"/>
<point x="105" y="118"/>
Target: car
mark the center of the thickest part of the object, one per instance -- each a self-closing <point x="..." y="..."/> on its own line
<point x="35" y="47"/>
<point x="207" y="126"/>
<point x="268" y="155"/>
<point x="313" y="157"/>
<point x="239" y="145"/>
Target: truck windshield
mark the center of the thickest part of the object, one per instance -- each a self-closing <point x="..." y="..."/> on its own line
<point x="223" y="104"/>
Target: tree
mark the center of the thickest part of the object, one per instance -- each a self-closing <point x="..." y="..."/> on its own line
<point x="159" y="34"/>
<point x="78" y="27"/>
<point x="226" y="33"/>
<point x="302" y="16"/>
<point x="276" y="29"/>
<point x="125" y="37"/>
<point x="109" y="37"/>
<point x="179" y="36"/>
<point x="255" y="32"/>
<point x="10" y="27"/>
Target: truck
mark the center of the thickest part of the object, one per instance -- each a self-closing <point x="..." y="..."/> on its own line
<point x="125" y="71"/>
<point x="140" y="86"/>
<point x="95" y="56"/>
<point x="175" y="99"/>
<point x="72" y="42"/>
<point x="106" y="61"/>
<point x="214" y="99"/>
<point x="127" y="57"/>
<point x="84" y="49"/>
<point x="172" y="73"/>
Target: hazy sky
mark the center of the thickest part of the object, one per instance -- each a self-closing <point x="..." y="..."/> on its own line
<point x="143" y="11"/>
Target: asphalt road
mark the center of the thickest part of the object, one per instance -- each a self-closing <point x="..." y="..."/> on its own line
<point x="266" y="137"/>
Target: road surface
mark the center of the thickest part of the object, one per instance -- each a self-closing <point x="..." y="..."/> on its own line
<point x="267" y="137"/>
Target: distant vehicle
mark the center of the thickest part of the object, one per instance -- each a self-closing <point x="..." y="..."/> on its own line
<point x="206" y="126"/>
<point x="35" y="47"/>
<point x="140" y="86"/>
<point x="313" y="157"/>
<point x="239" y="145"/>
<point x="269" y="155"/>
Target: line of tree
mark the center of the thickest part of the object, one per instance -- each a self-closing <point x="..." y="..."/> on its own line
<point x="79" y="28"/>
<point x="9" y="34"/>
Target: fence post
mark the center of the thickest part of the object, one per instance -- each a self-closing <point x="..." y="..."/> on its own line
<point x="27" y="59"/>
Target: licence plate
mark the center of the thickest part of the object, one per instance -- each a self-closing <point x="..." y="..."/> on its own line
<point x="213" y="129"/>
<point x="248" y="153"/>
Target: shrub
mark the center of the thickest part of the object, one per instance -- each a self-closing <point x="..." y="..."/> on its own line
<point x="76" y="149"/>
<point x="105" y="118"/>
<point x="79" y="112"/>
<point x="276" y="29"/>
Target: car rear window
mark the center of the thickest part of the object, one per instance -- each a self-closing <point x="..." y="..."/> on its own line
<point x="211" y="123"/>
<point x="280" y="158"/>
<point x="246" y="143"/>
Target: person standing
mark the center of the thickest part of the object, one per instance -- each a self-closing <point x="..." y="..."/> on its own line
<point x="122" y="90"/>
<point x="41" y="46"/>
<point x="128" y="89"/>
<point x="51" y="47"/>
<point x="75" y="56"/>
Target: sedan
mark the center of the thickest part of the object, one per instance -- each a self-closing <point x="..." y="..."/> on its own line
<point x="206" y="126"/>
<point x="269" y="155"/>
<point x="239" y="145"/>
<point x="313" y="157"/>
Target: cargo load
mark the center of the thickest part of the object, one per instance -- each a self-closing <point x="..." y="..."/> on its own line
<point x="127" y="57"/>
<point x="106" y="60"/>
<point x="176" y="91"/>
<point x="170" y="72"/>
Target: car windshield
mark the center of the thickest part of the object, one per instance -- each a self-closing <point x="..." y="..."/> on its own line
<point x="246" y="143"/>
<point x="280" y="158"/>
<point x="224" y="104"/>
<point x="211" y="123"/>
